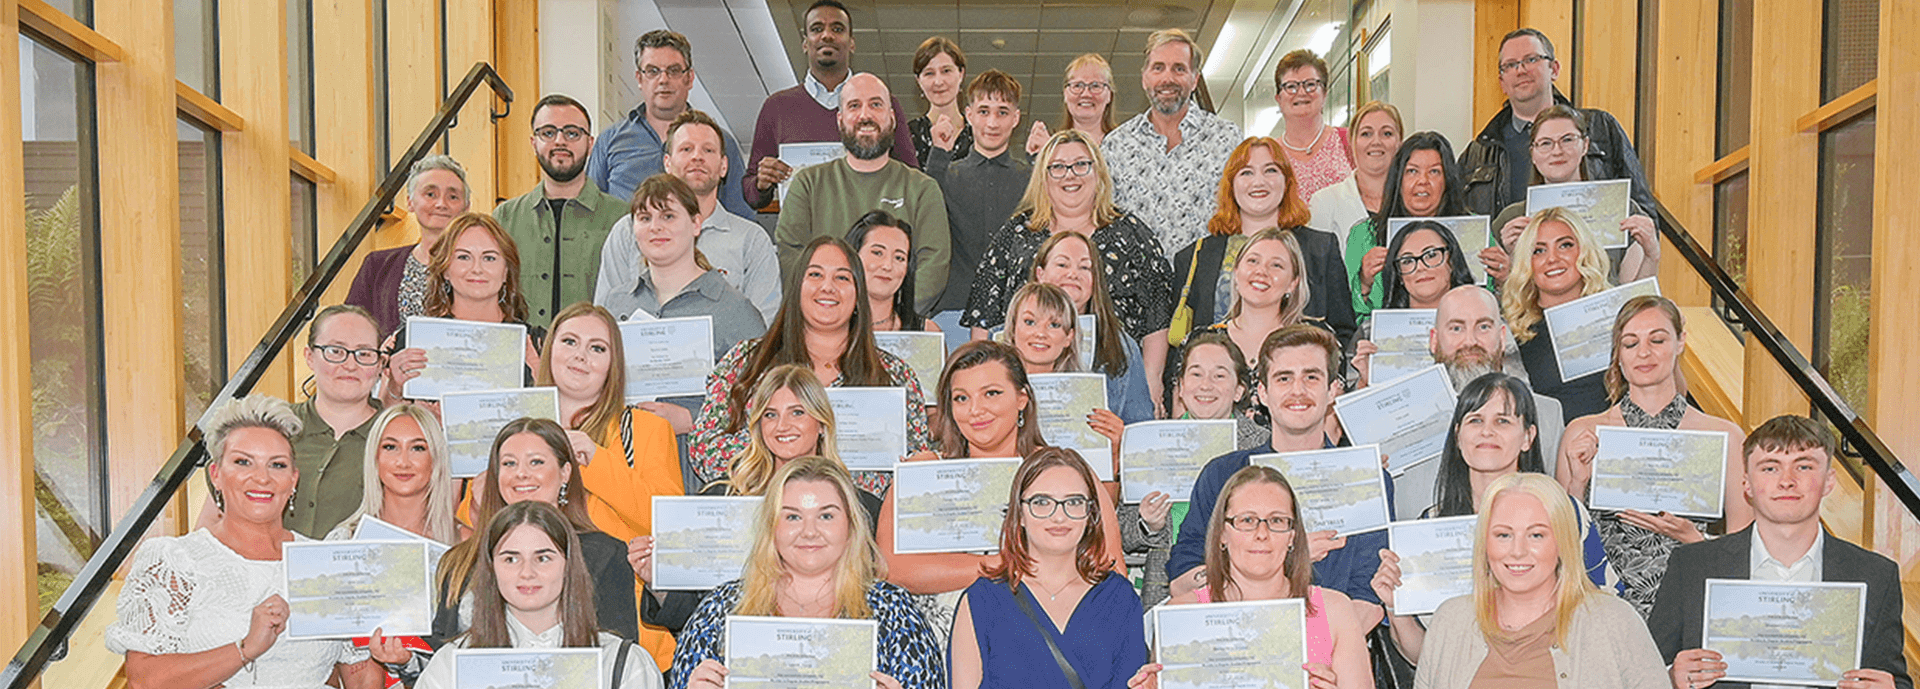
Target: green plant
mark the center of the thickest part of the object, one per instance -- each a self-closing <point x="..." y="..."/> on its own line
<point x="1847" y="343"/>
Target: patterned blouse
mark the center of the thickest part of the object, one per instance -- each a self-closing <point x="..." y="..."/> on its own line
<point x="1640" y="555"/>
<point x="906" y="647"/>
<point x="1327" y="165"/>
<point x="712" y="448"/>
<point x="920" y="129"/>
<point x="1138" y="277"/>
<point x="413" y="289"/>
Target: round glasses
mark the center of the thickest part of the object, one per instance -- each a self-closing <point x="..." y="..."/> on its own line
<point x="1043" y="506"/>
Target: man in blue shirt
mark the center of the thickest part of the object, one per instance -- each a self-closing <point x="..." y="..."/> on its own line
<point x="631" y="150"/>
<point x="1296" y="373"/>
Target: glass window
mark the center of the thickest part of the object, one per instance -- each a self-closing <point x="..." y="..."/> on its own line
<point x="1730" y="227"/>
<point x="1736" y="77"/>
<point x="1843" y="267"/>
<point x="305" y="224"/>
<point x="202" y="287"/>
<point x="300" y="74"/>
<point x="196" y="45"/>
<point x="63" y="311"/>
<point x="1851" y="50"/>
<point x="78" y="9"/>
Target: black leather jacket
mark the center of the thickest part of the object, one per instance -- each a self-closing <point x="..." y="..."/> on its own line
<point x="1610" y="155"/>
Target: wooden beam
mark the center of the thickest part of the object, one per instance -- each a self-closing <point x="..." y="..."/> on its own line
<point x="1684" y="120"/>
<point x="1725" y="168"/>
<point x="1555" y="19"/>
<point x="1783" y="198"/>
<point x="343" y="90"/>
<point x="1891" y="342"/>
<point x="470" y="39"/>
<point x="18" y="551"/>
<point x="68" y="32"/>
<point x="259" y="238"/>
<point x="207" y="111"/>
<point x="1849" y="104"/>
<point x="516" y="53"/>
<point x="1492" y="19"/>
<point x="1609" y="48"/>
<point x="413" y="93"/>
<point x="313" y="170"/>
<point x="1714" y="363"/>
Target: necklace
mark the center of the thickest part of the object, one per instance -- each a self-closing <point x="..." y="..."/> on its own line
<point x="805" y="608"/>
<point x="1053" y="595"/>
<point x="1310" y="144"/>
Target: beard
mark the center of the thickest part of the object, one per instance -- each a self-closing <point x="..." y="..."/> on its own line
<point x="1468" y="363"/>
<point x="562" y="174"/>
<point x="1170" y="106"/>
<point x="882" y="144"/>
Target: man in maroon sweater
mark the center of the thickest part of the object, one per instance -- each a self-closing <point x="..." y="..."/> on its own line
<point x="808" y="112"/>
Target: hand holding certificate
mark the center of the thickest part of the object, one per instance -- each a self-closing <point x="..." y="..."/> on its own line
<point x="1601" y="205"/>
<point x="870" y="426"/>
<point x="1065" y="400"/>
<point x="340" y="589"/>
<point x="1259" y="644"/>
<point x="800" y="652"/>
<point x="698" y="542"/>
<point x="1165" y="456"/>
<point x="472" y="419"/>
<point x="548" y="668"/>
<point x="1582" y="329"/>
<point x="1407" y="417"/>
<point x="1652" y="470"/>
<point x="1339" y="489"/>
<point x="667" y="357"/>
<point x="1436" y="562"/>
<point x="1777" y="632"/>
<point x="803" y="155"/>
<point x="1401" y="335"/>
<point x="950" y="505"/>
<point x="924" y="352"/>
<point x="465" y="356"/>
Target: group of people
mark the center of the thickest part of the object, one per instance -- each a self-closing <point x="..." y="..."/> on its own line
<point x="1225" y="277"/>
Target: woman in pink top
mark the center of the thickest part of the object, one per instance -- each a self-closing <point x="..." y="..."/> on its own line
<point x="1256" y="552"/>
<point x="1318" y="151"/>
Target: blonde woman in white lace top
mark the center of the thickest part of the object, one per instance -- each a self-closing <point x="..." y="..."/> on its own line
<point x="206" y="609"/>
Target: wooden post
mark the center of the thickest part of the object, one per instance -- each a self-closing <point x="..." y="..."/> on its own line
<point x="1784" y="197"/>
<point x="256" y="180"/>
<point x="21" y="608"/>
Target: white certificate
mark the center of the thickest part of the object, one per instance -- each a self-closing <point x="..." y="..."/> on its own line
<point x="924" y="352"/>
<point x="340" y="589"/>
<point x="1652" y="470"/>
<point x="1436" y="561"/>
<point x="870" y="426"/>
<point x="1582" y="329"/>
<point x="1402" y="336"/>
<point x="1781" y="633"/>
<point x="1165" y="456"/>
<point x="372" y="529"/>
<point x="952" y="505"/>
<point x="1407" y="417"/>
<point x="465" y="356"/>
<point x="800" y="652"/>
<point x="667" y="357"/>
<point x="1086" y="327"/>
<point x="1248" y="645"/>
<point x="1064" y="400"/>
<point x="1601" y="205"/>
<point x="700" y="542"/>
<point x="474" y="419"/>
<point x="1339" y="489"/>
<point x="801" y="156"/>
<point x="547" y="668"/>
<point x="1470" y="231"/>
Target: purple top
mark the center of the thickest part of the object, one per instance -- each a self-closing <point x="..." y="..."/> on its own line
<point x="790" y="115"/>
<point x="376" y="287"/>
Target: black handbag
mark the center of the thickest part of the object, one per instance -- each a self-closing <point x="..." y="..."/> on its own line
<point x="1073" y="678"/>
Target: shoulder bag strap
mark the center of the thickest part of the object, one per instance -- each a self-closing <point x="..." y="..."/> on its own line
<point x="1211" y="254"/>
<point x="1073" y="678"/>
<point x="620" y="663"/>
<point x="626" y="434"/>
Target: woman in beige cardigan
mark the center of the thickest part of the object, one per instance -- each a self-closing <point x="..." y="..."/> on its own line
<point x="1532" y="622"/>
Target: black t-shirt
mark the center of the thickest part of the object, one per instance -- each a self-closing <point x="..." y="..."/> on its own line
<point x="1579" y="397"/>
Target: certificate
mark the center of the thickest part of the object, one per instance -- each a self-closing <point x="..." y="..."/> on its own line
<point x="800" y="652"/>
<point x="925" y="353"/>
<point x="474" y="419"/>
<point x="700" y="542"/>
<point x="1407" y="417"/>
<point x="952" y="505"/>
<point x="1582" y="329"/>
<point x="372" y="529"/>
<point x="548" y="668"/>
<point x="1783" y="633"/>
<point x="801" y="156"/>
<point x="1601" y="205"/>
<point x="1471" y="231"/>
<point x="870" y="426"/>
<point x="1248" y="645"/>
<point x="1402" y="336"/>
<point x="465" y="356"/>
<point x="1650" y="470"/>
<point x="1165" y="456"/>
<point x="667" y="357"/>
<point x="1436" y="561"/>
<point x="1339" y="489"/>
<point x="340" y="589"/>
<point x="1064" y="401"/>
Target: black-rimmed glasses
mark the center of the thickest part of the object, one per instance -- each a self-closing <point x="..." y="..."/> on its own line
<point x="1043" y="506"/>
<point x="549" y="132"/>
<point x="335" y="354"/>
<point x="1248" y="522"/>
<point x="1433" y="257"/>
<point x="1510" y="66"/>
<point x="1079" y="169"/>
<point x="1301" y="86"/>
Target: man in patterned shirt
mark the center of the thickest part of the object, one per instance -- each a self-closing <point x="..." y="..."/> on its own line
<point x="1166" y="162"/>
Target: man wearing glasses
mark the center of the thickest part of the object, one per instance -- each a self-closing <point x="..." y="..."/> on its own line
<point x="633" y="149"/>
<point x="1498" y="163"/>
<point x="560" y="225"/>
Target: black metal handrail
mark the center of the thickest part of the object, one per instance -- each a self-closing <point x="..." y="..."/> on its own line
<point x="1855" y="432"/>
<point x="59" y="623"/>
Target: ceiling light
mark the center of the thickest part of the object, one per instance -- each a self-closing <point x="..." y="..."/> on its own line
<point x="1217" y="56"/>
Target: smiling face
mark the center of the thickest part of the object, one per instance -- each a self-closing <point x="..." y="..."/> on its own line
<point x="1087" y="103"/>
<point x="478" y="269"/>
<point x="940" y="80"/>
<point x="786" y="427"/>
<point x="1057" y="534"/>
<point x="531" y="570"/>
<point x="993" y="121"/>
<point x="812" y="532"/>
<point x="1298" y="389"/>
<point x="561" y="159"/>
<point x="1422" y="183"/>
<point x="1786" y="485"/>
<point x="1257" y="555"/>
<point x="1649" y="349"/>
<point x="885" y="253"/>
<point x="1492" y="437"/>
<point x="1260" y="187"/>
<point x="1039" y="335"/>
<point x="404" y="458"/>
<point x="435" y="198"/>
<point x="1169" y="76"/>
<point x="255" y="475"/>
<point x="698" y="158"/>
<point x="1558" y="149"/>
<point x="1208" y="386"/>
<point x="1375" y="140"/>
<point x="986" y="405"/>
<point x="1069" y="193"/>
<point x="582" y="355"/>
<point x="1555" y="261"/>
<point x="1303" y="102"/>
<point x="529" y="470"/>
<point x="347" y="381"/>
<point x="828" y="40"/>
<point x="827" y="289"/>
<point x="866" y="117"/>
<point x="665" y="93"/>
<point x="1264" y="275"/>
<point x="1520" y="544"/>
<point x="667" y="233"/>
<point x="1069" y="266"/>
<point x="1468" y="329"/>
<point x="1425" y="283"/>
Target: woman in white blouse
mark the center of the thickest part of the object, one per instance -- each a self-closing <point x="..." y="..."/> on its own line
<point x="208" y="608"/>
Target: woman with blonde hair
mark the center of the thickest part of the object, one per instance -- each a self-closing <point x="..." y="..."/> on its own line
<point x="814" y="557"/>
<point x="1374" y="140"/>
<point x="1534" y="619"/>
<point x="1088" y="89"/>
<point x="1564" y="263"/>
<point x="792" y="417"/>
<point x="407" y="452"/>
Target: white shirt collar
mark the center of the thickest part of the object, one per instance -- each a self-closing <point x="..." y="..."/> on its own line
<point x="828" y="98"/>
<point x="1762" y="566"/>
<point x="527" y="638"/>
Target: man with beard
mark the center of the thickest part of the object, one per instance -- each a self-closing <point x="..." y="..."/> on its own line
<point x="629" y="151"/>
<point x="805" y="113"/>
<point x="560" y="225"/>
<point x="1166" y="162"/>
<point x="828" y="198"/>
<point x="735" y="246"/>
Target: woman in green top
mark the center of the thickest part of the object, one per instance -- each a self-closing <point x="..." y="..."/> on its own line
<point x="1424" y="182"/>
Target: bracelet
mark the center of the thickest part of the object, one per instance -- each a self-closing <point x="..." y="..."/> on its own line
<point x="240" y="647"/>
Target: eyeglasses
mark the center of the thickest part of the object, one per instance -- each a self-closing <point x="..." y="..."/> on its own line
<point x="1248" y="522"/>
<point x="550" y="132"/>
<point x="334" y="354"/>
<point x="1079" y="169"/>
<point x="675" y="71"/>
<point x="1563" y="143"/>
<point x="1302" y="86"/>
<point x="1433" y="257"/>
<point x="1043" y="506"/>
<point x="1511" y="66"/>
<point x="1088" y="86"/>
